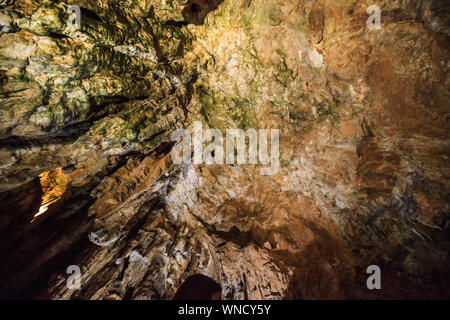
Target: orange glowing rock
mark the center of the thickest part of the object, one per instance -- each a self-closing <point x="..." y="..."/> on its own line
<point x="55" y="184"/>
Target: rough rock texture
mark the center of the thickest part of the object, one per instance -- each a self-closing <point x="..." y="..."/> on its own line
<point x="85" y="125"/>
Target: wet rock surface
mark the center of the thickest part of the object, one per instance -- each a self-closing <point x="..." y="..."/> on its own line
<point x="364" y="148"/>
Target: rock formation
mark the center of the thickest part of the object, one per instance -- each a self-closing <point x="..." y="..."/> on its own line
<point x="87" y="179"/>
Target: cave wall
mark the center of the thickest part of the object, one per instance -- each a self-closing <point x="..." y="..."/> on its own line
<point x="363" y="119"/>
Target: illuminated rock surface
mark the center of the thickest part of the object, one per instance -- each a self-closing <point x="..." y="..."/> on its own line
<point x="364" y="148"/>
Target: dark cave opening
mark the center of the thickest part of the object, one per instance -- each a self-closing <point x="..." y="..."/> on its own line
<point x="199" y="287"/>
<point x="195" y="8"/>
<point x="196" y="11"/>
